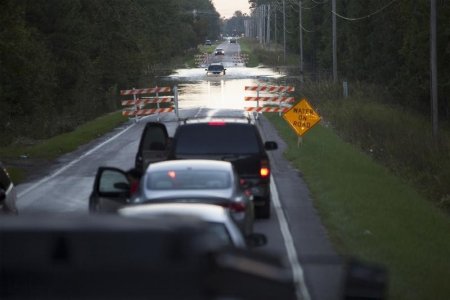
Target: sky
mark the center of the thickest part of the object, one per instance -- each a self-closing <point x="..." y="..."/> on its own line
<point x="226" y="8"/>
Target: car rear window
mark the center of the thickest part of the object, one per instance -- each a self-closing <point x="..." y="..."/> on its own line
<point x="215" y="68"/>
<point x="226" y="138"/>
<point x="191" y="179"/>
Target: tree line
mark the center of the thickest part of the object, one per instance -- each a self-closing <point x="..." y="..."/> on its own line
<point x="386" y="42"/>
<point x="63" y="62"/>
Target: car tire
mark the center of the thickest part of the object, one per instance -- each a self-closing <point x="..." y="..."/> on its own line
<point x="263" y="212"/>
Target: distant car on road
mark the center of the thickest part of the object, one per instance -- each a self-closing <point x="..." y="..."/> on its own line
<point x="8" y="196"/>
<point x="232" y="41"/>
<point x="208" y="43"/>
<point x="215" y="68"/>
<point x="217" y="220"/>
<point x="219" y="51"/>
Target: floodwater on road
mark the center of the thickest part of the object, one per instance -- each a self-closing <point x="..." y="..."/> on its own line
<point x="196" y="89"/>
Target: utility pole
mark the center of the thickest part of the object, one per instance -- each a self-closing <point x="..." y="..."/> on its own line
<point x="268" y="24"/>
<point x="300" y="28"/>
<point x="276" y="30"/>
<point x="333" y="9"/>
<point x="433" y="65"/>
<point x="284" y="32"/>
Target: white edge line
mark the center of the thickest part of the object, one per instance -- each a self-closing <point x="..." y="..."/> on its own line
<point x="297" y="270"/>
<point x="62" y="169"/>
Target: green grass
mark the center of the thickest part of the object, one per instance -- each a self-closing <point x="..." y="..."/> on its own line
<point x="66" y="142"/>
<point x="372" y="214"/>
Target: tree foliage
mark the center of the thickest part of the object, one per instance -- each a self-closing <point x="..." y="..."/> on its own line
<point x="62" y="62"/>
<point x="384" y="42"/>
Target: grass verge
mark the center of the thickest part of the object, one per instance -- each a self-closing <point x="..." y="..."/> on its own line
<point x="373" y="214"/>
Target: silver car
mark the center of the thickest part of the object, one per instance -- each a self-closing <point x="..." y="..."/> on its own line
<point x="215" y="219"/>
<point x="8" y="195"/>
<point x="190" y="180"/>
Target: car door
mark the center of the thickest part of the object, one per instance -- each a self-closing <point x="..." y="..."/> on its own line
<point x="153" y="146"/>
<point x="110" y="192"/>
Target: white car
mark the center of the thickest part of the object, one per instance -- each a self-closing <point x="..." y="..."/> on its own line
<point x="216" y="219"/>
<point x="219" y="51"/>
<point x="8" y="195"/>
<point x="185" y="180"/>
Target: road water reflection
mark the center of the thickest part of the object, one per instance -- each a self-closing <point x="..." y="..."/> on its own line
<point x="196" y="89"/>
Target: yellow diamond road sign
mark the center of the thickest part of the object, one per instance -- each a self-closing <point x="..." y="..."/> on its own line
<point x="301" y="117"/>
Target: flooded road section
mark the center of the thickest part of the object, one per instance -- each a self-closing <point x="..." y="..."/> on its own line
<point x="196" y="89"/>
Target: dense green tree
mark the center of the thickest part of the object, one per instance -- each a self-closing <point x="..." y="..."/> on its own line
<point x="384" y="42"/>
<point x="62" y="62"/>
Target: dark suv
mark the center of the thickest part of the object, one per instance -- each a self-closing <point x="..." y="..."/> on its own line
<point x="235" y="140"/>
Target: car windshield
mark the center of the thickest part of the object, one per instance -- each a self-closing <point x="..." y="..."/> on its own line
<point x="204" y="139"/>
<point x="189" y="179"/>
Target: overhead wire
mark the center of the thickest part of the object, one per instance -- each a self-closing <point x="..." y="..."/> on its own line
<point x="364" y="17"/>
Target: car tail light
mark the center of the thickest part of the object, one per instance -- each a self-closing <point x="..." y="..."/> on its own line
<point x="237" y="207"/>
<point x="264" y="171"/>
<point x="216" y="123"/>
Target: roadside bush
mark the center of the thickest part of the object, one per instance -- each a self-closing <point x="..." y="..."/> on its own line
<point x="398" y="138"/>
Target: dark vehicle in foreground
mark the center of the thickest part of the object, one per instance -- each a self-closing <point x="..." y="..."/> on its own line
<point x="116" y="257"/>
<point x="189" y="181"/>
<point x="8" y="195"/>
<point x="216" y="69"/>
<point x="236" y="140"/>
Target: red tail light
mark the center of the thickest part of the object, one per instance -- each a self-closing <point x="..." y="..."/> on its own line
<point x="264" y="171"/>
<point x="216" y="123"/>
<point x="236" y="206"/>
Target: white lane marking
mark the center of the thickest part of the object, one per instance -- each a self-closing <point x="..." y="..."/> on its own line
<point x="47" y="178"/>
<point x="297" y="270"/>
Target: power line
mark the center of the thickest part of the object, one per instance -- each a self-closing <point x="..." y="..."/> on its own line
<point x="365" y="17"/>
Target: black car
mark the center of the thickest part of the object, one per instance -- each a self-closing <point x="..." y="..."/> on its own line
<point x="216" y="69"/>
<point x="235" y="140"/>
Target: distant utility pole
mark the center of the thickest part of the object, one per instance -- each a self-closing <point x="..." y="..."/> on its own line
<point x="300" y="28"/>
<point x="276" y="24"/>
<point x="284" y="32"/>
<point x="268" y="24"/>
<point x="433" y="65"/>
<point x="333" y="9"/>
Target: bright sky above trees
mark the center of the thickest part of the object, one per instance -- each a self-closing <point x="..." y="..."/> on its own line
<point x="226" y="8"/>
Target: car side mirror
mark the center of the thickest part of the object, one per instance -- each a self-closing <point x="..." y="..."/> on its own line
<point x="270" y="145"/>
<point x="2" y="194"/>
<point x="256" y="240"/>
